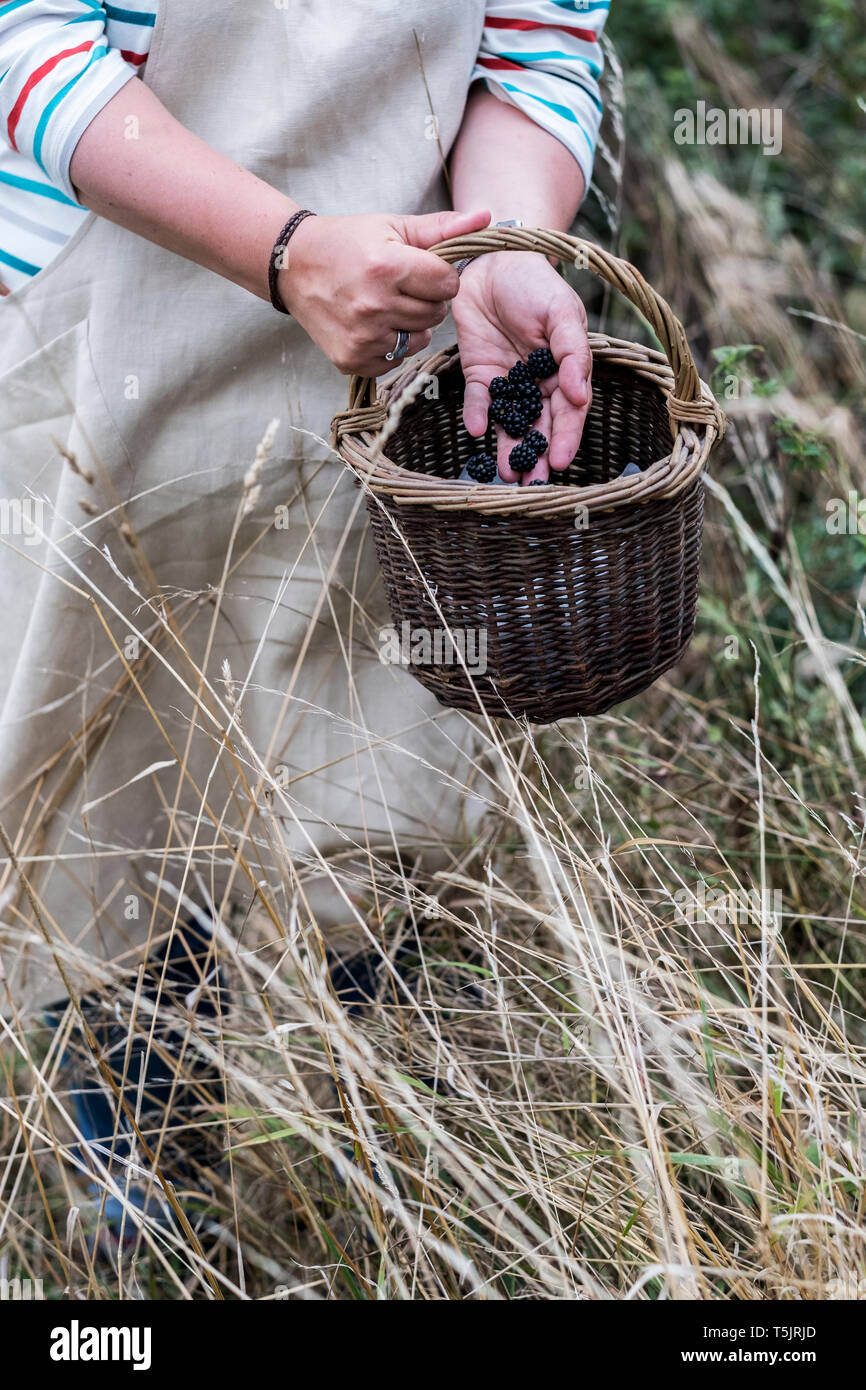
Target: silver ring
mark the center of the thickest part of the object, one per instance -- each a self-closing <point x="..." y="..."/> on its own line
<point x="400" y="348"/>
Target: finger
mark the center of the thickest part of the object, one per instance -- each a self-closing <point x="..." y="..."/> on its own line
<point x="421" y="275"/>
<point x="476" y="400"/>
<point x="570" y="346"/>
<point x="417" y="314"/>
<point x="427" y="276"/>
<point x="570" y="390"/>
<point x="568" y="422"/>
<point x="430" y="228"/>
<point x="504" y="445"/>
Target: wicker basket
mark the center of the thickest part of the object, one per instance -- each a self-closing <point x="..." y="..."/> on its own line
<point x="582" y="592"/>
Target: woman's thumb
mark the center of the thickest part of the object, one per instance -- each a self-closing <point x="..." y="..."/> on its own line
<point x="432" y="227"/>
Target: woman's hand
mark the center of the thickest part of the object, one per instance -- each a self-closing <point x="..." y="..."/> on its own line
<point x="354" y="282"/>
<point x="509" y="303"/>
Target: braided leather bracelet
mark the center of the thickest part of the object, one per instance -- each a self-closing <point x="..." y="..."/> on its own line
<point x="276" y="262"/>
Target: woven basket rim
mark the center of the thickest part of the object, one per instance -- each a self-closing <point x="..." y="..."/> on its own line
<point x="361" y="435"/>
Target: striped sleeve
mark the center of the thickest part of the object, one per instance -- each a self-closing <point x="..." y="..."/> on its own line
<point x="544" y="57"/>
<point x="57" y="71"/>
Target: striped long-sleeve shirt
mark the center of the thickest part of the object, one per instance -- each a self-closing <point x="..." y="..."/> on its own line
<point x="61" y="61"/>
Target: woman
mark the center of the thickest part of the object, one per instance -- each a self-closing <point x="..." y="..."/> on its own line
<point x="192" y="703"/>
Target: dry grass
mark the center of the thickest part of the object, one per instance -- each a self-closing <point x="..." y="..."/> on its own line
<point x="576" y="1085"/>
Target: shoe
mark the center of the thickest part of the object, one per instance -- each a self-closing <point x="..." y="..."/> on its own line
<point x="180" y="980"/>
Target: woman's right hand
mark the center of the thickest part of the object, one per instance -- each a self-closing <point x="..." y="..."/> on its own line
<point x="354" y="282"/>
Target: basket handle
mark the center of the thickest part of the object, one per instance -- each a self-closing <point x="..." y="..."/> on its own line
<point x="686" y="403"/>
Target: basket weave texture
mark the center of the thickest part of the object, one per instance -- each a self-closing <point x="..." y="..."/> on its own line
<point x="561" y="600"/>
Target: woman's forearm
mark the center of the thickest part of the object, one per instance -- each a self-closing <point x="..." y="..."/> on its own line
<point x="504" y="161"/>
<point x="137" y="166"/>
<point x="511" y="302"/>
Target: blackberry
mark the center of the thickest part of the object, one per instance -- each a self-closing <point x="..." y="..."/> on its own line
<point x="481" y="468"/>
<point x="498" y="409"/>
<point x="541" y="363"/>
<point x="519" y="373"/>
<point x="537" y="441"/>
<point x="523" y="458"/>
<point x="527" y="393"/>
<point x="538" y="482"/>
<point x="515" y="422"/>
<point x="499" y="386"/>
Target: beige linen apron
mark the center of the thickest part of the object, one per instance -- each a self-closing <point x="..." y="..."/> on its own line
<point x="134" y="387"/>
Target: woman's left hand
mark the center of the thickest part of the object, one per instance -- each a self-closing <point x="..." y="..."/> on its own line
<point x="510" y="302"/>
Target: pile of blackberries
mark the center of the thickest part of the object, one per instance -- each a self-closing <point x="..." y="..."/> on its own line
<point x="515" y="401"/>
<point x="515" y="404"/>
